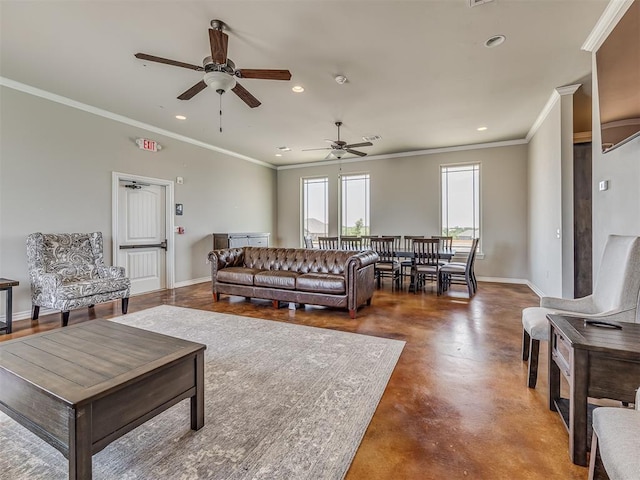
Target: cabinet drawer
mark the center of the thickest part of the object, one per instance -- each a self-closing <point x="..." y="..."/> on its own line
<point x="259" y="241"/>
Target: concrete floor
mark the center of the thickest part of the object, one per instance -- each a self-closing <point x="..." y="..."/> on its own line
<point x="456" y="406"/>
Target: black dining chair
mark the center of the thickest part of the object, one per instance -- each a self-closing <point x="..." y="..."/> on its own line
<point x="308" y="241"/>
<point x="351" y="243"/>
<point x="405" y="265"/>
<point x="328" y="243"/>
<point x="387" y="265"/>
<point x="425" y="262"/>
<point x="459" y="272"/>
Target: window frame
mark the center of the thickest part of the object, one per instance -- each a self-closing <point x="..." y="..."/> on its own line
<point x="341" y="201"/>
<point x="304" y="181"/>
<point x="477" y="199"/>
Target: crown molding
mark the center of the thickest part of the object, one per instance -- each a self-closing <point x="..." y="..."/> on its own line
<point x="612" y="14"/>
<point x="415" y="153"/>
<point x="553" y="98"/>
<point x="6" y="82"/>
<point x="568" y="89"/>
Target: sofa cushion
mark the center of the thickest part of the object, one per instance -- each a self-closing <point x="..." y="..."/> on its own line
<point x="237" y="275"/>
<point x="321" y="283"/>
<point x="276" y="279"/>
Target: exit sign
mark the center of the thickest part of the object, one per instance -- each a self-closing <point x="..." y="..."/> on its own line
<point x="149" y="145"/>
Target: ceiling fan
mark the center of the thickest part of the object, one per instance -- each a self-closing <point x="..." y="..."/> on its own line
<point x="340" y="147"/>
<point x="220" y="72"/>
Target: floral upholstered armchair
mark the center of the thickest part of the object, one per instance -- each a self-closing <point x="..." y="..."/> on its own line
<point x="67" y="272"/>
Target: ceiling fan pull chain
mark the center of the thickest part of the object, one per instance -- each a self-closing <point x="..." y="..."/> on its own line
<point x="220" y="95"/>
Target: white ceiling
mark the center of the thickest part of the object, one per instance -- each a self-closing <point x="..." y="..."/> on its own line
<point x="419" y="74"/>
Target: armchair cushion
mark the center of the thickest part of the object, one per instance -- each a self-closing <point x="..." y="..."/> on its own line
<point x="617" y="430"/>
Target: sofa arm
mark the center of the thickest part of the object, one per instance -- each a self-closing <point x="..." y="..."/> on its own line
<point x="228" y="257"/>
<point x="362" y="259"/>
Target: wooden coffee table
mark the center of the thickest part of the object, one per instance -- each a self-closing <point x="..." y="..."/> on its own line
<point x="79" y="388"/>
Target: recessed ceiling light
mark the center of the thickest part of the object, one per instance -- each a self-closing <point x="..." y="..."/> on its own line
<point x="278" y="154"/>
<point x="481" y="129"/>
<point x="181" y="117"/>
<point x="298" y="89"/>
<point x="495" y="41"/>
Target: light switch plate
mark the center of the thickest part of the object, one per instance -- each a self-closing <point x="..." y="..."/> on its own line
<point x="603" y="185"/>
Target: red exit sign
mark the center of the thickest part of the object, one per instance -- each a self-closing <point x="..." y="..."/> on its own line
<point x="149" y="145"/>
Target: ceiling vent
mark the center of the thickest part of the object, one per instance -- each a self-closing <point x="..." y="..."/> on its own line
<point x="475" y="3"/>
<point x="371" y="138"/>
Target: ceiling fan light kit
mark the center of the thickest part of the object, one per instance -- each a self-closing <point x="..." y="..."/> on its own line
<point x="220" y="82"/>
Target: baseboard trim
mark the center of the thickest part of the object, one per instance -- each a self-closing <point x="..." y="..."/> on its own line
<point x="535" y="289"/>
<point x="519" y="281"/>
<point x="193" y="281"/>
<point x="26" y="314"/>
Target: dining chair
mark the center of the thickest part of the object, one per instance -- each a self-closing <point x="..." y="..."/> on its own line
<point x="351" y="243"/>
<point x="425" y="262"/>
<point x="328" y="243"/>
<point x="308" y="241"/>
<point x="387" y="265"/>
<point x="405" y="265"/>
<point x="461" y="272"/>
<point x="446" y="243"/>
<point x="615" y="297"/>
<point x="366" y="240"/>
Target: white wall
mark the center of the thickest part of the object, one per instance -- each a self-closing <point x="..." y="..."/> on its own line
<point x="405" y="200"/>
<point x="56" y="164"/>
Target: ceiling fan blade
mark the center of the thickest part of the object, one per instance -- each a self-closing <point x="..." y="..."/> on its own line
<point x="197" y="88"/>
<point x="264" y="74"/>
<point x="166" y="61"/>
<point x="219" y="42"/>
<point x="245" y="96"/>
<point x="312" y="149"/>
<point x="355" y="152"/>
<point x="363" y="144"/>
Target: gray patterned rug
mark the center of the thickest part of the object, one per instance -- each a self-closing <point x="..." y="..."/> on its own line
<point x="282" y="402"/>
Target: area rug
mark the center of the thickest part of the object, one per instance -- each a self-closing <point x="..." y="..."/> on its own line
<point x="282" y="401"/>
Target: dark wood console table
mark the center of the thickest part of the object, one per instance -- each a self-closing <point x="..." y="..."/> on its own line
<point x="7" y="285"/>
<point x="597" y="362"/>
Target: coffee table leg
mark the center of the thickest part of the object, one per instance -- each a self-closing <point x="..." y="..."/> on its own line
<point x="197" y="401"/>
<point x="80" y="443"/>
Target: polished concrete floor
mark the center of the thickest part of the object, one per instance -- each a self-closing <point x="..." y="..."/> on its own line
<point x="456" y="406"/>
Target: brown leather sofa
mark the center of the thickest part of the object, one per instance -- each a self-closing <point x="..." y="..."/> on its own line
<point x="332" y="278"/>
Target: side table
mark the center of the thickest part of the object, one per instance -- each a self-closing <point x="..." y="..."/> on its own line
<point x="7" y="285"/>
<point x="597" y="362"/>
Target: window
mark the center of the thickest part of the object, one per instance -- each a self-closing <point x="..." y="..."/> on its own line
<point x="460" y="186"/>
<point x="355" y="204"/>
<point x="315" y="207"/>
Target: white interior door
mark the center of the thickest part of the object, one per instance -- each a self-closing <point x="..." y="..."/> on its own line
<point x="142" y="245"/>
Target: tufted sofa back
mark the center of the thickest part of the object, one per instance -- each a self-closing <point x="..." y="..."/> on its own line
<point x="297" y="260"/>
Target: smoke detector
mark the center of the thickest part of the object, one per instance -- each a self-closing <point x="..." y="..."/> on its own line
<point x="340" y="79"/>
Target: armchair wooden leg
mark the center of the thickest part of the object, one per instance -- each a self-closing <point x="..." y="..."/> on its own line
<point x="125" y="305"/>
<point x="65" y="318"/>
<point x="216" y="297"/>
<point x="35" y="312"/>
<point x="534" y="350"/>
